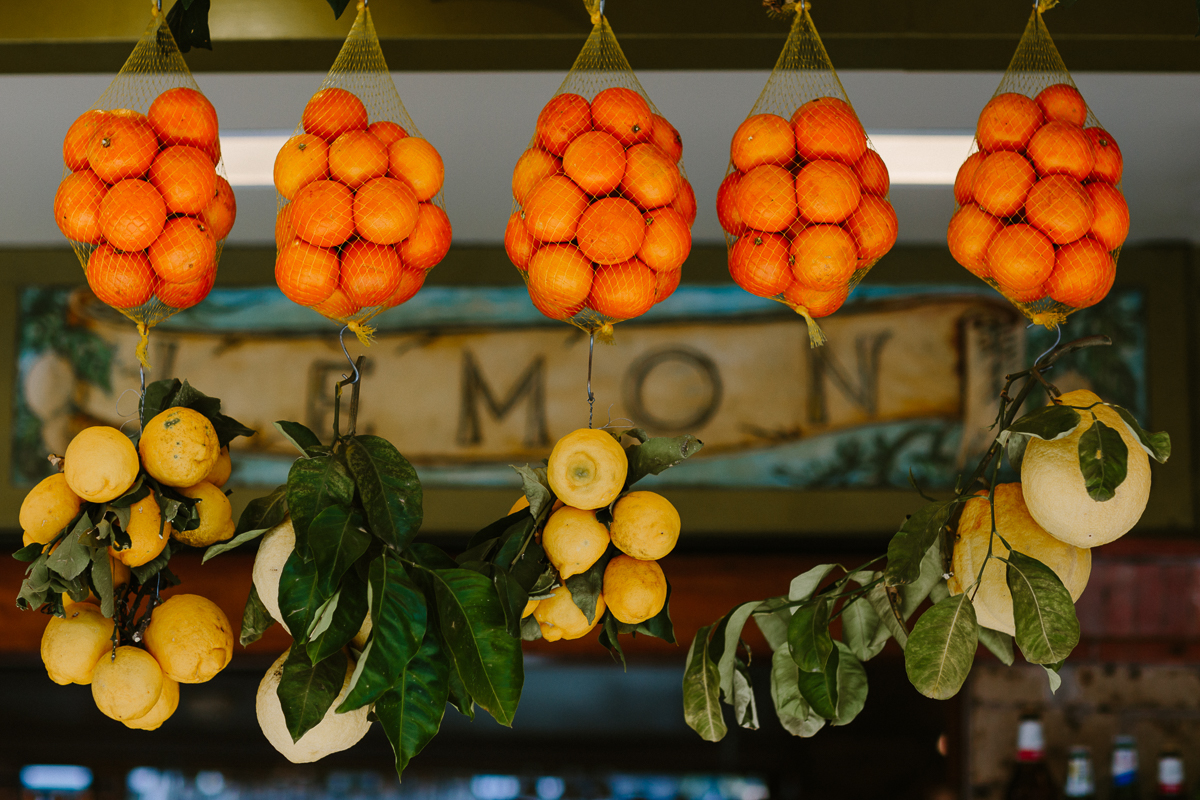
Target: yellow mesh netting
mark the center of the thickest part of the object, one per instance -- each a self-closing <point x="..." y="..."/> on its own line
<point x="602" y="212"/>
<point x="804" y="204"/>
<point x="144" y="200"/>
<point x="1041" y="216"/>
<point x="360" y="217"/>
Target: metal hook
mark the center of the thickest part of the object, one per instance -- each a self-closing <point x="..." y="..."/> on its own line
<point x="1057" y="340"/>
<point x="591" y="397"/>
<point x="353" y="366"/>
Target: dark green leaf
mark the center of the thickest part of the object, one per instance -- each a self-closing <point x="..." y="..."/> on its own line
<point x="774" y="625"/>
<point x="159" y="396"/>
<point x="808" y="637"/>
<point x="29" y="552"/>
<point x="1049" y="423"/>
<point x="1156" y="445"/>
<point x="805" y="585"/>
<point x="999" y="643"/>
<point x="430" y="556"/>
<point x="886" y="605"/>
<point x="586" y="586"/>
<point x="515" y="543"/>
<point x="660" y="453"/>
<point x="942" y="647"/>
<point x="237" y="541"/>
<point x="701" y="690"/>
<point x="659" y="626"/>
<point x="412" y="712"/>
<point x="338" y="7"/>
<point x="102" y="579"/>
<point x="135" y="493"/>
<point x="545" y="584"/>
<point x="301" y="437"/>
<point x="932" y="567"/>
<point x="537" y="490"/>
<point x="306" y="691"/>
<point x="860" y="629"/>
<point x="189" y="25"/>
<point x="35" y="587"/>
<point x="344" y="621"/>
<point x="795" y="714"/>
<point x="313" y="485"/>
<point x="264" y="513"/>
<point x="820" y="688"/>
<point x="908" y="547"/>
<point x="1047" y="628"/>
<point x="336" y="539"/>
<point x="459" y="697"/>
<point x="255" y="619"/>
<point x="724" y="644"/>
<point x="745" y="709"/>
<point x="151" y="568"/>
<point x="851" y="686"/>
<point x="1103" y="459"/>
<point x="531" y="631"/>
<point x="388" y="487"/>
<point x="299" y="595"/>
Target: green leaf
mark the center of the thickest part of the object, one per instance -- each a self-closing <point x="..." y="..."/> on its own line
<point x="851" y="686"/>
<point x="1103" y="459"/>
<point x="653" y="456"/>
<point x="531" y="631"/>
<point x="537" y="490"/>
<point x="724" y="644"/>
<point x="820" y="688"/>
<point x="586" y="586"/>
<point x="1054" y="678"/>
<point x="701" y="690"/>
<point x="773" y="622"/>
<point x="237" y="541"/>
<point x="338" y="7"/>
<point x="1047" y="628"/>
<point x="999" y="643"/>
<point x="860" y="629"/>
<point x="1014" y="448"/>
<point x="745" y="709"/>
<point x="301" y="437"/>
<point x="102" y="579"/>
<point x="313" y="485"/>
<point x="1156" y="445"/>
<point x="808" y="637"/>
<point x="345" y="618"/>
<point x="430" y="556"/>
<point x="158" y="397"/>
<point x="307" y="690"/>
<point x="35" y="587"/>
<point x="299" y="595"/>
<point x="880" y="600"/>
<point x="932" y="569"/>
<point x="412" y="712"/>
<point x="151" y="568"/>
<point x="794" y="713"/>
<point x="388" y="487"/>
<point x="908" y="547"/>
<point x="30" y="552"/>
<point x="189" y="24"/>
<point x="942" y="647"/>
<point x="72" y="556"/>
<point x="264" y="512"/>
<point x="805" y="585"/>
<point x="336" y="539"/>
<point x="1049" y="423"/>
<point x="460" y="698"/>
<point x="255" y="619"/>
<point x="132" y="495"/>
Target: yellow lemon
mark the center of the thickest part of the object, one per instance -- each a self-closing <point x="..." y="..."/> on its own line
<point x="100" y="464"/>
<point x="168" y="701"/>
<point x="221" y="470"/>
<point x="587" y="468"/>
<point x="1056" y="492"/>
<point x="179" y="447"/>
<point x="993" y="602"/>
<point x="191" y="637"/>
<point x="560" y="618"/>
<point x="143" y="530"/>
<point x="645" y="525"/>
<point x="530" y="607"/>
<point x="635" y="590"/>
<point x="73" y="643"/>
<point x="127" y="684"/>
<point x="216" y="516"/>
<point x="574" y="540"/>
<point x="273" y="550"/>
<point x="48" y="508"/>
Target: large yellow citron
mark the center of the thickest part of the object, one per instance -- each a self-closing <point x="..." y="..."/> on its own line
<point x="100" y="464"/>
<point x="645" y="525"/>
<point x="587" y="468"/>
<point x="143" y="529"/>
<point x="168" y="701"/>
<point x="560" y="618"/>
<point x="216" y="516"/>
<point x="48" y="508"/>
<point x="574" y="540"/>
<point x="179" y="447"/>
<point x="993" y="602"/>
<point x="127" y="684"/>
<point x="1055" y="489"/>
<point x="191" y="638"/>
<point x="274" y="548"/>
<point x="74" y="642"/>
<point x="635" y="590"/>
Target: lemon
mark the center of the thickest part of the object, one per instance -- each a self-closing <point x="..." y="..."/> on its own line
<point x="168" y="701"/>
<point x="100" y="464"/>
<point x="530" y="607"/>
<point x="179" y="447"/>
<point x="191" y="638"/>
<point x="645" y="525"/>
<point x="574" y="540"/>
<point x="334" y="733"/>
<point x="635" y="590"/>
<point x="216" y="516"/>
<point x="587" y="468"/>
<point x="560" y="618"/>
<point x="48" y="508"/>
<point x="221" y="470"/>
<point x="143" y="529"/>
<point x="273" y="550"/>
<point x="73" y="643"/>
<point x="522" y="502"/>
<point x="127" y="684"/>
<point x="1056" y="492"/>
<point x="993" y="602"/>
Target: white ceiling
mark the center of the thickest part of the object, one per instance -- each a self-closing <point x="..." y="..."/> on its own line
<point x="482" y="121"/>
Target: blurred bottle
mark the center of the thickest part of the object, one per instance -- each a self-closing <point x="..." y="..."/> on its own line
<point x="1081" y="781"/>
<point x="1170" y="775"/>
<point x="1031" y="780"/>
<point x="1124" y="769"/>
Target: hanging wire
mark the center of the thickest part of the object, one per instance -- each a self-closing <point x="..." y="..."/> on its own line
<point x="591" y="397"/>
<point x="1057" y="340"/>
<point x="342" y="341"/>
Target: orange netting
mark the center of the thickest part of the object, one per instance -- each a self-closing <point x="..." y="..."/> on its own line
<point x="1040" y="212"/>
<point x="360" y="213"/>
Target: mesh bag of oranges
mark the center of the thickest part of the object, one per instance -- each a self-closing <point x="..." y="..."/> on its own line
<point x="360" y="214"/>
<point x="804" y="204"/>
<point x="143" y="199"/>
<point x="602" y="213"/>
<point x="1041" y="216"/>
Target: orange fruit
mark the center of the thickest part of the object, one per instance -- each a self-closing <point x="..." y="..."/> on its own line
<point x="873" y="226"/>
<point x="75" y="143"/>
<point x="685" y="202"/>
<point x="610" y="230"/>
<point x="213" y="152"/>
<point x="824" y="256"/>
<point x="553" y="208"/>
<point x="1060" y="148"/>
<point x="221" y="211"/>
<point x="77" y="206"/>
<point x="765" y="199"/>
<point x="184" y="252"/>
<point x="185" y="295"/>
<point x="561" y="120"/>
<point x="727" y="213"/>
<point x="623" y="291"/>
<point x="965" y="178"/>
<point x="337" y="306"/>
<point x="1023" y="295"/>
<point x="1110" y="222"/>
<point x="651" y="178"/>
<point x="284" y="232"/>
<point x="305" y="273"/>
<point x="411" y="281"/>
<point x="533" y="165"/>
<point x="761" y="263"/>
<point x="665" y="284"/>
<point x="1062" y="103"/>
<point x="184" y="116"/>
<point x="122" y="280"/>
<point x="827" y="191"/>
<point x="667" y="241"/>
<point x="429" y="242"/>
<point x="518" y="242"/>
<point x="595" y="160"/>
<point x="1108" y="161"/>
<point x="356" y="157"/>
<point x="1020" y="257"/>
<point x="1007" y="122"/>
<point x="185" y="178"/>
<point x="1059" y="207"/>
<point x="331" y="112"/>
<point x="664" y="134"/>
<point x="971" y="231"/>
<point x="385" y="210"/>
<point x="762" y="139"/>
<point x="873" y="173"/>
<point x="1002" y="182"/>
<point x="1084" y="272"/>
<point x="323" y="213"/>
<point x="386" y="131"/>
<point x="625" y="114"/>
<point x="417" y="163"/>
<point x="817" y="302"/>
<point x="828" y="128"/>
<point x="560" y="275"/>
<point x="302" y="160"/>
<point x="121" y="147"/>
<point x="132" y="215"/>
<point x="552" y="311"/>
<point x="370" y="273"/>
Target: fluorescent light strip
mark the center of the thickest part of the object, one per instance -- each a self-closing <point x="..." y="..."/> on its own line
<point x="249" y="156"/>
<point x="922" y="158"/>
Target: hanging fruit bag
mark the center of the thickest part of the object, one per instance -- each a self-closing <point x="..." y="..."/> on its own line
<point x="804" y="204"/>
<point x="144" y="200"/>
<point x="1041" y="216"/>
<point x="602" y="212"/>
<point x="360" y="217"/>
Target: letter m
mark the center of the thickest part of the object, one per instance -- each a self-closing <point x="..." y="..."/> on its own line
<point x="530" y="386"/>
